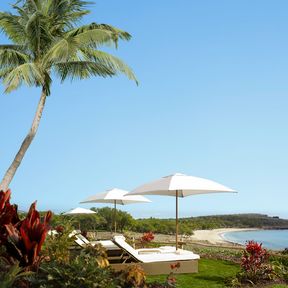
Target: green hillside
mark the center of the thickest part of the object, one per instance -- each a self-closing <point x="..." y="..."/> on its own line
<point x="104" y="220"/>
<point x="187" y="225"/>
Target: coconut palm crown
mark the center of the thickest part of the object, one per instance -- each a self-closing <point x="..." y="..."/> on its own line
<point x="47" y="41"/>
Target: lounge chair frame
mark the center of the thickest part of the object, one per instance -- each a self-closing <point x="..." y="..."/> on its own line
<point x="122" y="256"/>
<point x="156" y="267"/>
<point x="159" y="268"/>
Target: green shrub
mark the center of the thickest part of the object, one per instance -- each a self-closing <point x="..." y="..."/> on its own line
<point x="106" y="214"/>
<point x="11" y="275"/>
<point x="88" y="269"/>
<point x="132" y="276"/>
<point x="281" y="271"/>
<point x="282" y="259"/>
<point x="56" y="246"/>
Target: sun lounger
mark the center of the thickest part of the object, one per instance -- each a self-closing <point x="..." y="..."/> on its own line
<point x="157" y="261"/>
<point x="114" y="253"/>
<point x="83" y="241"/>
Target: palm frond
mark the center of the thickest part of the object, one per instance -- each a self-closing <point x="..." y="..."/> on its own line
<point x="38" y="34"/>
<point x="12" y="46"/>
<point x="65" y="13"/>
<point x="5" y="71"/>
<point x="82" y="70"/>
<point x="75" y="7"/>
<point x="115" y="32"/>
<point x="11" y="25"/>
<point x="10" y="57"/>
<point x="94" y="38"/>
<point x="78" y="5"/>
<point x="22" y="13"/>
<point x="66" y="48"/>
<point x="114" y="63"/>
<point x="31" y="5"/>
<point x="76" y="16"/>
<point x="27" y="73"/>
<point x="123" y="35"/>
<point x="61" y="51"/>
<point x="74" y="10"/>
<point x="32" y="29"/>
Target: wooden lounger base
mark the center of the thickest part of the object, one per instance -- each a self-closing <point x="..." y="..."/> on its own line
<point x="158" y="268"/>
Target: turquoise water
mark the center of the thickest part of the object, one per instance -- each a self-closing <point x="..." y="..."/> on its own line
<point x="270" y="239"/>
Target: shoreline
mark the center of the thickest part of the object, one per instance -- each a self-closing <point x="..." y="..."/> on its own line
<point x="216" y="236"/>
<point x="211" y="237"/>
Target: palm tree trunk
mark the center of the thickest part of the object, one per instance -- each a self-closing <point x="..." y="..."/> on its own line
<point x="4" y="185"/>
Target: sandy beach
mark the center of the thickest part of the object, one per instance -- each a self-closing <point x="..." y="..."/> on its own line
<point x="214" y="236"/>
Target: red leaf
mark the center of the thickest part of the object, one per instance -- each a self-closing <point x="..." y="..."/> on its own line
<point x="4" y="198"/>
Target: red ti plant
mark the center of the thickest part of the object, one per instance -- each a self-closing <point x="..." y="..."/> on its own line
<point x="254" y="256"/>
<point x="26" y="240"/>
<point x="59" y="229"/>
<point x="22" y="239"/>
<point x="171" y="280"/>
<point x="8" y="214"/>
<point x="147" y="237"/>
<point x="255" y="262"/>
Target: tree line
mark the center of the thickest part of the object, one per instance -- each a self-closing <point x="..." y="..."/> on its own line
<point x="103" y="220"/>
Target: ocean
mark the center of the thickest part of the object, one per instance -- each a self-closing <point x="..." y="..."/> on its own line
<point x="270" y="239"/>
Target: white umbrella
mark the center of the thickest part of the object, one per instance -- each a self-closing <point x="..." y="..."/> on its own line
<point x="180" y="185"/>
<point x="115" y="196"/>
<point x="79" y="210"/>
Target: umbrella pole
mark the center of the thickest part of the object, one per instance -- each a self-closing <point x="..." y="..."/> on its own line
<point x="176" y="219"/>
<point x="115" y="227"/>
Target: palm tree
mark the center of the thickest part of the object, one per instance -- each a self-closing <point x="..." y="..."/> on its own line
<point x="47" y="42"/>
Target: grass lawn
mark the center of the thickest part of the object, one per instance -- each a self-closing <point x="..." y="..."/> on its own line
<point x="212" y="274"/>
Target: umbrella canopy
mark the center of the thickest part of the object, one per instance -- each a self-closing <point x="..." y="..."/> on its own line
<point x="180" y="185"/>
<point x="115" y="196"/>
<point x="79" y="210"/>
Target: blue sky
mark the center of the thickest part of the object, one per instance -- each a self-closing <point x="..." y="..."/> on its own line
<point x="212" y="102"/>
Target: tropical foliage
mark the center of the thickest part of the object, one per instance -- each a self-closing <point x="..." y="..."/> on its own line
<point x="255" y="266"/>
<point x="84" y="270"/>
<point x="22" y="239"/>
<point x="8" y="215"/>
<point x="55" y="264"/>
<point x="254" y="258"/>
<point x="21" y="242"/>
<point x="12" y="275"/>
<point x="147" y="237"/>
<point x="46" y="42"/>
<point x="145" y="240"/>
<point x="56" y="246"/>
<point x="25" y="240"/>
